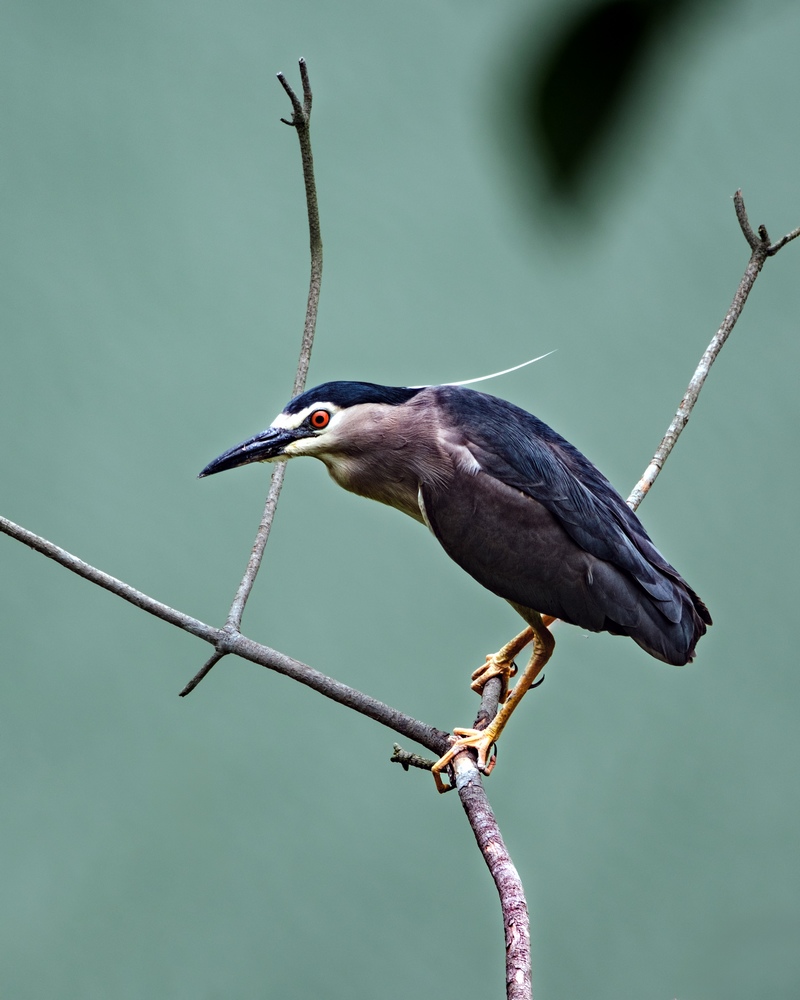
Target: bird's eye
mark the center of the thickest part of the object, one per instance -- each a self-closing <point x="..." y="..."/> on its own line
<point x="319" y="419"/>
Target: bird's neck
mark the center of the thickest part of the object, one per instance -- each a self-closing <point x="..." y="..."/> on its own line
<point x="386" y="462"/>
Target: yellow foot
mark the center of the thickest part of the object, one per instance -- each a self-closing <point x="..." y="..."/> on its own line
<point x="496" y="666"/>
<point x="500" y="665"/>
<point x="482" y="740"/>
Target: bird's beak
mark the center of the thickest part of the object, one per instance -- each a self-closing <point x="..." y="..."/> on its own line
<point x="264" y="447"/>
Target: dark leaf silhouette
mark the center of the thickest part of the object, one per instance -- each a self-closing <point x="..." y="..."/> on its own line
<point x="575" y="92"/>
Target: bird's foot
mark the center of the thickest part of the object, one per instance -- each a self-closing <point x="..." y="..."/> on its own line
<point x="496" y="666"/>
<point x="483" y="741"/>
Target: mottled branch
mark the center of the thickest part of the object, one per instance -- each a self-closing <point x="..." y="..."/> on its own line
<point x="506" y="877"/>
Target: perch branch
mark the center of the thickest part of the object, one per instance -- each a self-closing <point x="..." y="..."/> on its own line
<point x="503" y="871"/>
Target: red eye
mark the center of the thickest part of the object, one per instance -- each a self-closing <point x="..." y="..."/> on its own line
<point x="319" y="419"/>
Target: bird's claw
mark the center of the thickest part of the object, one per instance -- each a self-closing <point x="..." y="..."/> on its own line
<point x="495" y="666"/>
<point x="480" y="740"/>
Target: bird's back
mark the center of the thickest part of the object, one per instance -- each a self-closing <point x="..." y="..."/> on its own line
<point x="536" y="523"/>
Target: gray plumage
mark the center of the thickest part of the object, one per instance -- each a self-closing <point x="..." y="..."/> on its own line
<point x="510" y="500"/>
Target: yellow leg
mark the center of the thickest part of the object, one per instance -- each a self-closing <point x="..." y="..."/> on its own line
<point x="501" y="663"/>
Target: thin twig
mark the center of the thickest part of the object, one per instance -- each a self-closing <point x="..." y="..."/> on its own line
<point x="234" y="619"/>
<point x="779" y="244"/>
<point x="761" y="249"/>
<point x="212" y="661"/>
<point x="301" y="121"/>
<point x="406" y="759"/>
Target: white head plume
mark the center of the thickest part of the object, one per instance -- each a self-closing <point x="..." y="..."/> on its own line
<point x="483" y="378"/>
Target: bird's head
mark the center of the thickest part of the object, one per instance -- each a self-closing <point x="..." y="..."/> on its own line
<point x="317" y="422"/>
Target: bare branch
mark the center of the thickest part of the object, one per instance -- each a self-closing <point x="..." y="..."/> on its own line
<point x="480" y="816"/>
<point x="227" y="641"/>
<point x="101" y="579"/>
<point x="506" y="877"/>
<point x="761" y="249"/>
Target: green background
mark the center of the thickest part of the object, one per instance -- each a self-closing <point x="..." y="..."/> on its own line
<point x="252" y="840"/>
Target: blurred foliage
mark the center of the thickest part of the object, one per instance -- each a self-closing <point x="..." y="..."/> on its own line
<point x="576" y="88"/>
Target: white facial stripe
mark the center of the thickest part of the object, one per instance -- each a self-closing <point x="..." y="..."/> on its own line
<point x="305" y="446"/>
<point x="291" y="421"/>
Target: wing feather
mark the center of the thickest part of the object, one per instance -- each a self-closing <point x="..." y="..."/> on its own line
<point x="577" y="549"/>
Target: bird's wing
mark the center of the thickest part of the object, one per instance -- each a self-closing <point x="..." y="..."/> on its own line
<point x="519" y="451"/>
<point x="512" y="545"/>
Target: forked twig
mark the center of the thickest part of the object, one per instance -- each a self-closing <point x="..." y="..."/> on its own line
<point x="761" y="248"/>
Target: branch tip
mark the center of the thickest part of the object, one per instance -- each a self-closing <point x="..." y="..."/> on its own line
<point x="744" y="222"/>
<point x="406" y="759"/>
<point x="301" y="112"/>
<point x="201" y="673"/>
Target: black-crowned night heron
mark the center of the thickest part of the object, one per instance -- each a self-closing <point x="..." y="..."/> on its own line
<point x="513" y="503"/>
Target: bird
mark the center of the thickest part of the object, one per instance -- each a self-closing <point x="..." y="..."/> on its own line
<point x="512" y="502"/>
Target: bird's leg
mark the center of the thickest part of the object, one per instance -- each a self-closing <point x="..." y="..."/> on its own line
<point x="501" y="664"/>
<point x="483" y="740"/>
